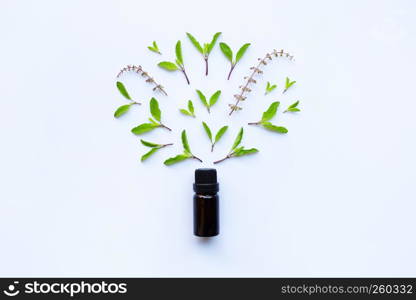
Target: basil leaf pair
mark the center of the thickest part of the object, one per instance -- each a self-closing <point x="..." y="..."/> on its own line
<point x="267" y="116"/>
<point x="204" y="49"/>
<point x="218" y="136"/>
<point x="155" y="122"/>
<point x="236" y="149"/>
<point x="178" y="65"/>
<point x="212" y="100"/>
<point x="187" y="153"/>
<point x="226" y="50"/>
<point x="124" y="108"/>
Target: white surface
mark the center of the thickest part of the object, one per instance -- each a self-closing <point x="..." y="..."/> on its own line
<point x="334" y="197"/>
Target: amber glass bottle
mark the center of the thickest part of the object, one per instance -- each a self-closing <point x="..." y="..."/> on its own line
<point x="206" y="203"/>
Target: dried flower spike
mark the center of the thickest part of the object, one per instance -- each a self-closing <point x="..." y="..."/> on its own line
<point x="229" y="54"/>
<point x="187" y="154"/>
<point x="155" y="122"/>
<point x="218" y="136"/>
<point x="154" y="149"/>
<point x="154" y="48"/>
<point x="206" y="50"/>
<point x="288" y="84"/>
<point x="250" y="79"/>
<point x="212" y="100"/>
<point x="179" y="65"/>
<point x="124" y="108"/>
<point x="238" y="151"/>
<point x="269" y="87"/>
<point x="293" y="107"/>
<point x="149" y="79"/>
<point x="190" y="112"/>
<point x="267" y="116"/>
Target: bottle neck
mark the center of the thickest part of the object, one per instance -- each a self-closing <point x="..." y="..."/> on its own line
<point x="206" y="189"/>
<point x="206" y="195"/>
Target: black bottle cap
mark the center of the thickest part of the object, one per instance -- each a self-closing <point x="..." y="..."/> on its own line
<point x="206" y="181"/>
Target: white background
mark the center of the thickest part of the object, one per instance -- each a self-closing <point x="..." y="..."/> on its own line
<point x="334" y="197"/>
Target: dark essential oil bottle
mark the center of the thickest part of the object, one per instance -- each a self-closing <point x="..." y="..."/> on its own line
<point x="206" y="203"/>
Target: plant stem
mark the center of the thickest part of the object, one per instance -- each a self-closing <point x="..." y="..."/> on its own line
<point x="165" y="145"/>
<point x="255" y="69"/>
<point x="212" y="147"/>
<point x="206" y="66"/>
<point x="186" y="76"/>
<point x="254" y="123"/>
<point x="139" y="70"/>
<point x="134" y="102"/>
<point x="221" y="160"/>
<point x="197" y="158"/>
<point x="284" y="91"/>
<point x="247" y="83"/>
<point x="231" y="70"/>
<point x="164" y="126"/>
<point x="160" y="88"/>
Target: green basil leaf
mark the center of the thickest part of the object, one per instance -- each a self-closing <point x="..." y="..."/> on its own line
<point x="176" y="159"/>
<point x="270" y="112"/>
<point x="185" y="142"/>
<point x="294" y="104"/>
<point x="154" y="109"/>
<point x="167" y="65"/>
<point x="213" y="41"/>
<point x="178" y="50"/>
<point x="238" y="139"/>
<point x="220" y="133"/>
<point x="208" y="131"/>
<point x="148" y="154"/>
<point x="270" y="88"/>
<point x="149" y="144"/>
<point x="241" y="52"/>
<point x="143" y="128"/>
<point x="274" y="128"/>
<point x="214" y="98"/>
<point x="191" y="107"/>
<point x="154" y="48"/>
<point x="289" y="83"/>
<point x="194" y="42"/>
<point x="122" y="90"/>
<point x="245" y="152"/>
<point x="122" y="110"/>
<point x="226" y="50"/>
<point x="185" y="112"/>
<point x="202" y="98"/>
